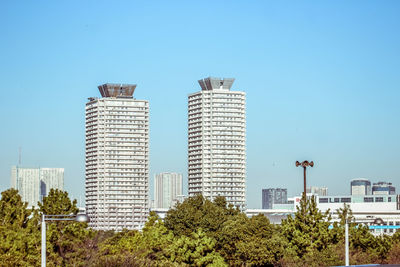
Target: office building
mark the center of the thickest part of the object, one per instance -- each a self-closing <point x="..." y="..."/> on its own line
<point x="117" y="159"/>
<point x="217" y="142"/>
<point x="167" y="189"/>
<point x="272" y="196"/>
<point x="360" y="186"/>
<point x="318" y="190"/>
<point x="35" y="183"/>
<point x="383" y="188"/>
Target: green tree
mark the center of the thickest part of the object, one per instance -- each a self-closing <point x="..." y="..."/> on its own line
<point x="197" y="250"/>
<point x="249" y="241"/>
<point x="198" y="212"/>
<point x="19" y="235"/>
<point x="65" y="240"/>
<point x="308" y="231"/>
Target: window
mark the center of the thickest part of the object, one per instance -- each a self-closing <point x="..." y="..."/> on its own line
<point x="368" y="199"/>
<point x="323" y="200"/>
<point x="345" y="200"/>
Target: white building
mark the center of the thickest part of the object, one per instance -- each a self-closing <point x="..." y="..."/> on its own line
<point x="365" y="209"/>
<point x="34" y="183"/>
<point x="167" y="189"/>
<point x="318" y="190"/>
<point x="360" y="186"/>
<point x="217" y="141"/>
<point x="117" y="159"/>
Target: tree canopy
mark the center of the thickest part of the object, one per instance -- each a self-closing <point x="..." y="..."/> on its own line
<point x="196" y="232"/>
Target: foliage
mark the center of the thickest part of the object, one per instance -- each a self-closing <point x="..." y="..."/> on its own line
<point x="19" y="235"/>
<point x="308" y="231"/>
<point x="199" y="212"/>
<point x="197" y="232"/>
<point x="197" y="250"/>
<point x="65" y="239"/>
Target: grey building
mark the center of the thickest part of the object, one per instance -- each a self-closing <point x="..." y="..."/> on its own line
<point x="271" y="196"/>
<point x="383" y="188"/>
<point x="360" y="186"/>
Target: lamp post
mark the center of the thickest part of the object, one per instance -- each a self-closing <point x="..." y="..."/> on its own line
<point x="305" y="164"/>
<point x="78" y="218"/>
<point x="375" y="221"/>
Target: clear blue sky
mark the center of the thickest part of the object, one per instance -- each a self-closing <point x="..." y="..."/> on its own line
<point x="321" y="77"/>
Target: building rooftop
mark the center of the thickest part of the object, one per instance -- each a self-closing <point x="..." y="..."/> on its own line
<point x="212" y="83"/>
<point x="117" y="90"/>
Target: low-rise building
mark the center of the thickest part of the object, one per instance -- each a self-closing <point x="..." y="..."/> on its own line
<point x="365" y="209"/>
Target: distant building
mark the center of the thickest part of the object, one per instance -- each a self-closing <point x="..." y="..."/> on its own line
<point x="35" y="183"/>
<point x="360" y="186"/>
<point x="383" y="188"/>
<point x="117" y="159"/>
<point x="217" y="141"/>
<point x="365" y="209"/>
<point x="271" y="196"/>
<point x="318" y="190"/>
<point x="167" y="189"/>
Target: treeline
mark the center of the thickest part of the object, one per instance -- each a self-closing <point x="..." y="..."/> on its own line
<point x="197" y="232"/>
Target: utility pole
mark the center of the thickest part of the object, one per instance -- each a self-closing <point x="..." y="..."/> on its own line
<point x="305" y="164"/>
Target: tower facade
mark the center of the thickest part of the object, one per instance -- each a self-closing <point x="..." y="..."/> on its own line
<point x="35" y="183"/>
<point x="383" y="188"/>
<point x="217" y="141"/>
<point x="167" y="189"/>
<point x="117" y="159"/>
<point x="360" y="187"/>
<point x="271" y="196"/>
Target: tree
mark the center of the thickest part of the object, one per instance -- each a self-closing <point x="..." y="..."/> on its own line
<point x="65" y="240"/>
<point x="250" y="241"/>
<point x="308" y="230"/>
<point x="198" y="212"/>
<point x="19" y="235"/>
<point x="197" y="250"/>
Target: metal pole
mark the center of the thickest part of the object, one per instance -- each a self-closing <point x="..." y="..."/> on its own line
<point x="305" y="181"/>
<point x="43" y="241"/>
<point x="347" y="241"/>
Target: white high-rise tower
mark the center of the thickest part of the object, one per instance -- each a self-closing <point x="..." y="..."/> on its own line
<point x="117" y="159"/>
<point x="217" y="142"/>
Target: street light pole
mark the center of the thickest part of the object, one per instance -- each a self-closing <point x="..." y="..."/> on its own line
<point x="43" y="241"/>
<point x="347" y="241"/>
<point x="78" y="218"/>
<point x="375" y="221"/>
<point x="305" y="164"/>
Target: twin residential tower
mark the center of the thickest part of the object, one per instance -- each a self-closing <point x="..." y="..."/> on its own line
<point x="217" y="141"/>
<point x="117" y="151"/>
<point x="117" y="159"/>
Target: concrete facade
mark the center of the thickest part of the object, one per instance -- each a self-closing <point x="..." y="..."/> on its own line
<point x="217" y="142"/>
<point x="117" y="159"/>
<point x="34" y="183"/>
<point x="167" y="189"/>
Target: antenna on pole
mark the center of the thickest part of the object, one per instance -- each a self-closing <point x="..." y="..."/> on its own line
<point x="19" y="156"/>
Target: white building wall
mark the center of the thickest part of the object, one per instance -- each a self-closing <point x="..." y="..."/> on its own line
<point x="117" y="163"/>
<point x="217" y="142"/>
<point x="51" y="178"/>
<point x="167" y="189"/>
<point x="30" y="181"/>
